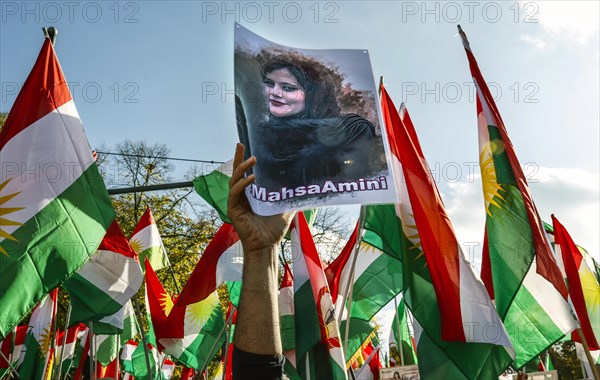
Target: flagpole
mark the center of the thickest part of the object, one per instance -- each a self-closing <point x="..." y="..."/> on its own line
<point x="361" y="220"/>
<point x="51" y="33"/>
<point x="62" y="351"/>
<point x="348" y="311"/>
<point x="143" y="334"/>
<point x="85" y="346"/>
<point x="350" y="285"/>
<point x="586" y="348"/>
<point x="118" y="358"/>
<point x="92" y="344"/>
<point x="228" y="325"/>
<point x="212" y="349"/>
<point x="588" y="354"/>
<point x="399" y="340"/>
<point x="170" y="266"/>
<point x="366" y="363"/>
<point x="52" y="353"/>
<point x="12" y="369"/>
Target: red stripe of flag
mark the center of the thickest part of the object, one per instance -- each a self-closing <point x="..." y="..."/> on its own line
<point x="203" y="280"/>
<point x="438" y="240"/>
<point x="572" y="259"/>
<point x="546" y="265"/>
<point x="44" y="91"/>
<point x="115" y="241"/>
<point x="334" y="270"/>
<point x="156" y="293"/>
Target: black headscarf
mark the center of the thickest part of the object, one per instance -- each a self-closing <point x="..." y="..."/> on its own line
<point x="317" y="83"/>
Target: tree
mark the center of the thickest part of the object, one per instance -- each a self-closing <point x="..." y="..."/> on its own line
<point x="565" y="361"/>
<point x="185" y="226"/>
<point x="3" y="117"/>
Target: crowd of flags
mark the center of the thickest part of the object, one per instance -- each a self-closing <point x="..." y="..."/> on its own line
<point x="62" y="232"/>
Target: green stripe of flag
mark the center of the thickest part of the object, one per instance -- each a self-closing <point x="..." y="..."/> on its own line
<point x="88" y="300"/>
<point x="198" y="354"/>
<point x="376" y="286"/>
<point x="157" y="257"/>
<point x="42" y="258"/>
<point x="307" y="323"/>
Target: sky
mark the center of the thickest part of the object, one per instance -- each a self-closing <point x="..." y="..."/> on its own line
<point x="162" y="71"/>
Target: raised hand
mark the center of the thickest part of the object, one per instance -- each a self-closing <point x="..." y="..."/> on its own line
<point x="256" y="232"/>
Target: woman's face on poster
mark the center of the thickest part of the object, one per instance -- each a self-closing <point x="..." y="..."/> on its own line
<point x="285" y="96"/>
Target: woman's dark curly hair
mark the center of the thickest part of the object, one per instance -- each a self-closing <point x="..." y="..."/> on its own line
<point x="320" y="83"/>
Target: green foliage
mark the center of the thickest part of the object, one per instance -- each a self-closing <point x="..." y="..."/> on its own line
<point x="565" y="361"/>
<point x="185" y="227"/>
<point x="3" y="117"/>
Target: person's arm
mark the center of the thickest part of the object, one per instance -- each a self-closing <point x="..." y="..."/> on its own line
<point x="257" y="327"/>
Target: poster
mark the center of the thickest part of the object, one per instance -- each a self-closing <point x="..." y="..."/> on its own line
<point x="407" y="372"/>
<point x="311" y="119"/>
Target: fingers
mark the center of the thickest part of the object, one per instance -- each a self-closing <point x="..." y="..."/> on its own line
<point x="238" y="187"/>
<point x="239" y="165"/>
<point x="238" y="181"/>
<point x="238" y="157"/>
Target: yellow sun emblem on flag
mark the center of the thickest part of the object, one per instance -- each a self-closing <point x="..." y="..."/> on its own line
<point x="489" y="181"/>
<point x="198" y="313"/>
<point x="166" y="303"/>
<point x="409" y="227"/>
<point x="136" y="245"/>
<point x="5" y="211"/>
<point x="45" y="342"/>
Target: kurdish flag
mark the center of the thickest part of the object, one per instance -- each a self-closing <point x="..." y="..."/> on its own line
<point x="583" y="286"/>
<point x="221" y="261"/>
<point x="38" y="342"/>
<point x="528" y="287"/>
<point x="190" y="333"/>
<point x="107" y="281"/>
<point x="286" y="314"/>
<point x="376" y="276"/>
<point x="400" y="332"/>
<point x="127" y="356"/>
<point x="168" y="367"/>
<point x="146" y="242"/>
<point x="105" y="348"/>
<point x="12" y="348"/>
<point x="122" y="322"/>
<point x="54" y="208"/>
<point x="462" y="336"/>
<point x="158" y="304"/>
<point x="319" y="354"/>
<point x="287" y="323"/>
<point x="194" y="333"/>
<point x="110" y="331"/>
<point x="214" y="188"/>
<point x="67" y="352"/>
<point x="376" y="279"/>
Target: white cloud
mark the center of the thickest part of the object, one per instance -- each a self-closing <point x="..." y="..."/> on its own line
<point x="535" y="41"/>
<point x="571" y="20"/>
<point x="572" y="195"/>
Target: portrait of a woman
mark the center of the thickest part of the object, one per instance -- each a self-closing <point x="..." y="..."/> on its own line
<point x="304" y="138"/>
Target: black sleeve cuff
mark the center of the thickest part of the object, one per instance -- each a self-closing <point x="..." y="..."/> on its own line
<point x="246" y="365"/>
